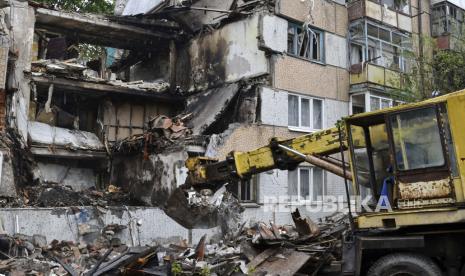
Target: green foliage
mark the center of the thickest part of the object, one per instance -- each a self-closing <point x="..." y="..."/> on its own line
<point x="86" y="51"/>
<point x="205" y="271"/>
<point x="91" y="6"/>
<point x="449" y="73"/>
<point x="440" y="69"/>
<point x="176" y="269"/>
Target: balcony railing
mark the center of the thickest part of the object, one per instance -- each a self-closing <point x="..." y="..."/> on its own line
<point x="375" y="74"/>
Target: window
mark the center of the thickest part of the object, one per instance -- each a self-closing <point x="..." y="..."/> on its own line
<point x="397" y="5"/>
<point x="368" y="101"/>
<point x="305" y="42"/>
<point x="447" y="18"/>
<point x="305" y="113"/>
<point x="377" y="103"/>
<point x="383" y="46"/>
<point x="306" y="183"/>
<point x="246" y="190"/>
<point x="417" y="139"/>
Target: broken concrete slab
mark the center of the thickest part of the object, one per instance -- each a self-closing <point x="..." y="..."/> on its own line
<point x="150" y="180"/>
<point x="7" y="179"/>
<point x="209" y="106"/>
<point x="98" y="30"/>
<point x="115" y="88"/>
<point x="137" y="7"/>
<point x="67" y="175"/>
<point x="44" y="134"/>
<point x="287" y="263"/>
<point x="209" y="12"/>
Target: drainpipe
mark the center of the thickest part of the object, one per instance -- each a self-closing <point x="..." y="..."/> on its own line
<point x="420" y="50"/>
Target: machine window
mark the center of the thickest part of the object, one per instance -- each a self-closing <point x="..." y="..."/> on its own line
<point x="417" y="139"/>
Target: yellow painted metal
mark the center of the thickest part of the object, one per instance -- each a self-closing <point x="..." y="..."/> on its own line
<point x="392" y="78"/>
<point x="456" y="112"/>
<point x="425" y="216"/>
<point x="318" y="143"/>
<point x="197" y="169"/>
<point x="458" y="189"/>
<point x="377" y="75"/>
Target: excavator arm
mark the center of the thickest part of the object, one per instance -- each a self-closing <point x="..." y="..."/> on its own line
<point x="206" y="174"/>
<point x="314" y="148"/>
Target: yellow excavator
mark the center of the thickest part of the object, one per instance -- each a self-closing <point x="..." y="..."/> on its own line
<point x="411" y="157"/>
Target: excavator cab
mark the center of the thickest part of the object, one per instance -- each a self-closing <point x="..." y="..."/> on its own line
<point x="405" y="156"/>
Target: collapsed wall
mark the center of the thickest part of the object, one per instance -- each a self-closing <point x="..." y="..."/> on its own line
<point x="150" y="180"/>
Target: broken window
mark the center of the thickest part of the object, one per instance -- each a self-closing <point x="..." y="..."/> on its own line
<point x="356" y="54"/>
<point x="246" y="189"/>
<point x="305" y="42"/>
<point x="439" y="20"/>
<point x="402" y="6"/>
<point x="305" y="113"/>
<point x="306" y="183"/>
<point x="396" y="5"/>
<point x="379" y="45"/>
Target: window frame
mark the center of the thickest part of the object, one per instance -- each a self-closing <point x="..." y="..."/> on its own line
<point x="395" y="9"/>
<point x="448" y="19"/>
<point x="359" y="35"/>
<point x="311" y="128"/>
<point x="296" y="26"/>
<point x="426" y="170"/>
<point x="367" y="99"/>
<point x="311" y="184"/>
<point x="254" y="181"/>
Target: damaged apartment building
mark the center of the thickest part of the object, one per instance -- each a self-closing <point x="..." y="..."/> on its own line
<point x="174" y="79"/>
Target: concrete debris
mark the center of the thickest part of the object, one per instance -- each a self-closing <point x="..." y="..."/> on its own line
<point x="218" y="100"/>
<point x="247" y="253"/>
<point x="44" y="134"/>
<point x="164" y="134"/>
<point x="72" y="69"/>
<point x="304" y="226"/>
<point x="242" y="254"/>
<point x="63" y="196"/>
<point x="67" y="67"/>
<point x="205" y="209"/>
<point x="160" y="86"/>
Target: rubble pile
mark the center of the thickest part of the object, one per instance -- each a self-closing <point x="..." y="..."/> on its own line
<point x="163" y="134"/>
<point x="50" y="195"/>
<point x="159" y="86"/>
<point x="31" y="255"/>
<point x="262" y="249"/>
<point x="73" y="69"/>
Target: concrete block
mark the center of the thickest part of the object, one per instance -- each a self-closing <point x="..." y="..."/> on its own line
<point x="336" y="50"/>
<point x="274" y="33"/>
<point x="274" y="107"/>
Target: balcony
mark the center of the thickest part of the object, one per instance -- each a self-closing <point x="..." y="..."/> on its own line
<point x="368" y="73"/>
<point x="447" y="25"/>
<point x="398" y="17"/>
